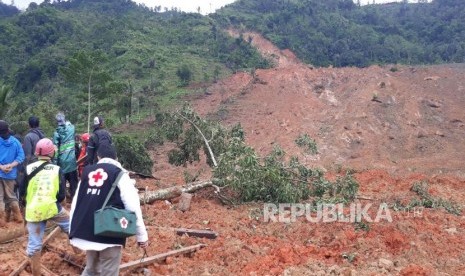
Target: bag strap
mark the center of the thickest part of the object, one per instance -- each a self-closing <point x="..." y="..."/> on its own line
<point x="36" y="171"/>
<point x="113" y="186"/>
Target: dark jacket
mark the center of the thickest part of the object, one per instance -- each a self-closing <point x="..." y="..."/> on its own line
<point x="99" y="136"/>
<point x="90" y="198"/>
<point x="29" y="144"/>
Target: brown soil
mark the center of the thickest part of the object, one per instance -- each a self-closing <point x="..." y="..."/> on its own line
<point x="393" y="125"/>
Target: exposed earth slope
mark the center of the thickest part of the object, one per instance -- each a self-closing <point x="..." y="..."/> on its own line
<point x="394" y="125"/>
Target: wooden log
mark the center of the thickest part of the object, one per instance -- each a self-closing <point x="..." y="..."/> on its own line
<point x="142" y="175"/>
<point x="51" y="235"/>
<point x="20" y="268"/>
<point x="172" y="192"/>
<point x="12" y="233"/>
<point x="185" y="202"/>
<point x="23" y="265"/>
<point x="197" y="233"/>
<point x="47" y="272"/>
<point x="160" y="257"/>
<point x="66" y="257"/>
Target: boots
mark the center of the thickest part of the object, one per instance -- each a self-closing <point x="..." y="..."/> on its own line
<point x="16" y="213"/>
<point x="35" y="264"/>
<point x="2" y="218"/>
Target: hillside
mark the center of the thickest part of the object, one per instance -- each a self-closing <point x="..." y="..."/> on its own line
<point x="392" y="117"/>
<point x="392" y="135"/>
<point x="147" y="57"/>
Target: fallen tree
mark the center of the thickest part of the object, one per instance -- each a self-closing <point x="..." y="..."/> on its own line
<point x="172" y="192"/>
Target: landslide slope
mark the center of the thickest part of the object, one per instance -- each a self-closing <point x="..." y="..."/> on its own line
<point x="397" y="118"/>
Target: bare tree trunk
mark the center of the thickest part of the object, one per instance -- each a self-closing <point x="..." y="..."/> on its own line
<point x="172" y="192"/>
<point x="12" y="233"/>
<point x="204" y="139"/>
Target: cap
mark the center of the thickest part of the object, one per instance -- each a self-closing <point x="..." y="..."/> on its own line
<point x="98" y="121"/>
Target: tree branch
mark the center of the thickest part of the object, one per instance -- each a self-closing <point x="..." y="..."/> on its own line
<point x="203" y="137"/>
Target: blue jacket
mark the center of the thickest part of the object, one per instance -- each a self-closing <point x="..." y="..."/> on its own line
<point x="63" y="138"/>
<point x="10" y="150"/>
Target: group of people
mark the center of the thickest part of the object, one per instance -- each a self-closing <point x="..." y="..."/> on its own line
<point x="40" y="168"/>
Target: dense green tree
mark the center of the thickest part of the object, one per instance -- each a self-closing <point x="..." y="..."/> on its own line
<point x="4" y="92"/>
<point x="184" y="74"/>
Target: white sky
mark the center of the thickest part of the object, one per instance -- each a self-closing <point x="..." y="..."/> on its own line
<point x="206" y="6"/>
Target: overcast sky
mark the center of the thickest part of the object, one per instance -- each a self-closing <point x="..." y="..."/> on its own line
<point x="206" y="6"/>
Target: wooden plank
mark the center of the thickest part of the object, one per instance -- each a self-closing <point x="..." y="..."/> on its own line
<point x="160" y="257"/>
<point x="47" y="272"/>
<point x="24" y="264"/>
<point x="51" y="235"/>
<point x="20" y="268"/>
<point x="12" y="233"/>
<point x="197" y="233"/>
<point x="65" y="256"/>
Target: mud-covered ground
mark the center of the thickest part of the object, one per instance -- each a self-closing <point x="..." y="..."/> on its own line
<point x="394" y="126"/>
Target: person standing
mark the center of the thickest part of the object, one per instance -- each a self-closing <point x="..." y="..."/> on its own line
<point x="30" y="140"/>
<point x="42" y="191"/>
<point x="11" y="155"/>
<point x="82" y="159"/>
<point x="99" y="137"/>
<point x="103" y="254"/>
<point x="63" y="138"/>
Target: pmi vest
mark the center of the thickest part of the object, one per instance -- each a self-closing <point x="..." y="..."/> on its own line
<point x="41" y="193"/>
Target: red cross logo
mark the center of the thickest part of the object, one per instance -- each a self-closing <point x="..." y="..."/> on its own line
<point x="123" y="222"/>
<point x="97" y="177"/>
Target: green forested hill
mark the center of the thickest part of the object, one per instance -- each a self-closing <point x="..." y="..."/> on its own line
<point x="132" y="57"/>
<point x="131" y="51"/>
<point x="341" y="33"/>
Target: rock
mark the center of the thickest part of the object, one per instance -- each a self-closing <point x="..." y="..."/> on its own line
<point x="452" y="230"/>
<point x="432" y="78"/>
<point x="205" y="273"/>
<point x="185" y="202"/>
<point x="439" y="133"/>
<point x="349" y="272"/>
<point x="422" y="134"/>
<point x="385" y="263"/>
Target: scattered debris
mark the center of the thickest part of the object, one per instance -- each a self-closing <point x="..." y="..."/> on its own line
<point x="160" y="257"/>
<point x="197" y="233"/>
<point x="432" y="78"/>
<point x="185" y="202"/>
<point x="173" y="192"/>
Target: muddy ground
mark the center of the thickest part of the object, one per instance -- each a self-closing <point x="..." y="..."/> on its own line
<point x="393" y="125"/>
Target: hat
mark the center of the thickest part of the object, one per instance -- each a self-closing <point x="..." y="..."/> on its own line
<point x="106" y="151"/>
<point x="60" y="119"/>
<point x="98" y="121"/>
<point x="4" y="127"/>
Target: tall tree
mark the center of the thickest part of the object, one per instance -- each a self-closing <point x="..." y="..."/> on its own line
<point x="85" y="69"/>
